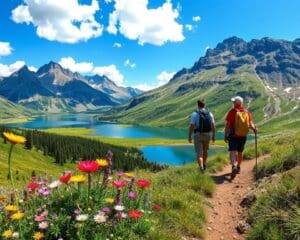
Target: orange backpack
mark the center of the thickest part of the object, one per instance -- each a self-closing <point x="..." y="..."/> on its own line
<point x="242" y="121"/>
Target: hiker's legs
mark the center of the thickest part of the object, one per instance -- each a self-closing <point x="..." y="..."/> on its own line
<point x="239" y="158"/>
<point x="205" y="138"/>
<point x="233" y="158"/>
<point x="199" y="150"/>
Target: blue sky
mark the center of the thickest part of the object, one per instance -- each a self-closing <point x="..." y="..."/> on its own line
<point x="134" y="42"/>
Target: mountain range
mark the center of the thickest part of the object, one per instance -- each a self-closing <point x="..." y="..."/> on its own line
<point x="265" y="72"/>
<point x="55" y="89"/>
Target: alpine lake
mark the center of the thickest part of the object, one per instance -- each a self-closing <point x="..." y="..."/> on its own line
<point x="174" y="154"/>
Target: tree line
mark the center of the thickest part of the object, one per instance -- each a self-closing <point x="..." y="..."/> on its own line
<point x="73" y="149"/>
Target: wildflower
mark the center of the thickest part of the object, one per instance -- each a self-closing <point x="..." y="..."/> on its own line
<point x="43" y="225"/>
<point x="134" y="214"/>
<point x="17" y="216"/>
<point x="119" y="184"/>
<point x="65" y="178"/>
<point x="55" y="184"/>
<point x="32" y="186"/>
<point x="15" y="235"/>
<point x="45" y="213"/>
<point x="39" y="218"/>
<point x="102" y="162"/>
<point x="99" y="218"/>
<point x="120" y="174"/>
<point x="77" y="211"/>
<point x="44" y="191"/>
<point x="81" y="217"/>
<point x="119" y="208"/>
<point x="38" y="235"/>
<point x="143" y="183"/>
<point x="129" y="175"/>
<point x="88" y="166"/>
<point x="132" y="195"/>
<point x="106" y="210"/>
<point x="11" y="208"/>
<point x="7" y="234"/>
<point x="109" y="200"/>
<point x="13" y="138"/>
<point x="78" y="179"/>
<point x="156" y="207"/>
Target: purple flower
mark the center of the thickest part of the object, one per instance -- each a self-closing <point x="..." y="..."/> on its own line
<point x="132" y="195"/>
<point x="106" y="210"/>
<point x="77" y="211"/>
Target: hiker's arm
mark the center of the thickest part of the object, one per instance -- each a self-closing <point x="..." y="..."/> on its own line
<point x="213" y="130"/>
<point x="191" y="130"/>
<point x="227" y="131"/>
<point x="253" y="127"/>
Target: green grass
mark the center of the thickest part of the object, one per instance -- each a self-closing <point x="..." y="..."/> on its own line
<point x="276" y="214"/>
<point x="24" y="162"/>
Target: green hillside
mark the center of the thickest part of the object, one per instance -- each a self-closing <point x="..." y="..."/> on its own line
<point x="11" y="112"/>
<point x="172" y="104"/>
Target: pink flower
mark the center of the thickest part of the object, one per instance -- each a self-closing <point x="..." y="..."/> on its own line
<point x="39" y="218"/>
<point x="77" y="211"/>
<point x="132" y="195"/>
<point x="88" y="166"/>
<point x="43" y="225"/>
<point x="120" y="174"/>
<point x="119" y="184"/>
<point x="143" y="183"/>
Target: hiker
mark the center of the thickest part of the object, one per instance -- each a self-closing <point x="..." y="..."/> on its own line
<point x="202" y="124"/>
<point x="238" y="121"/>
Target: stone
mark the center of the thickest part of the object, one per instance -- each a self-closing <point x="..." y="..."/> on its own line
<point x="248" y="200"/>
<point x="209" y="229"/>
<point x="242" y="227"/>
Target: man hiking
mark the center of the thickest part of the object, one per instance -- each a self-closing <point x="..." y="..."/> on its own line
<point x="238" y="122"/>
<point x="202" y="124"/>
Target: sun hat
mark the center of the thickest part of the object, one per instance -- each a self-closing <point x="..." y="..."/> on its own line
<point x="237" y="99"/>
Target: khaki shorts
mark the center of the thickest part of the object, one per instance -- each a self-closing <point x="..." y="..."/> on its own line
<point x="201" y="143"/>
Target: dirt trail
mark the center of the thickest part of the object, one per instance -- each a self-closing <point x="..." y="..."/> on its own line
<point x="225" y="212"/>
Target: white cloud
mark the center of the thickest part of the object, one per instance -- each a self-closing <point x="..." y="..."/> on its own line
<point x="5" y="49"/>
<point x="164" y="77"/>
<point x="111" y="72"/>
<point x="82" y="67"/>
<point x="117" y="45"/>
<point x="108" y="1"/>
<point x="128" y="63"/>
<point x="32" y="68"/>
<point x="64" y="21"/>
<point x="135" y="21"/>
<point x="7" y="70"/>
<point x="189" y="27"/>
<point x="206" y="48"/>
<point x="196" y="18"/>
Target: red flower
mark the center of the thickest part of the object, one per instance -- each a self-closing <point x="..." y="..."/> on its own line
<point x="119" y="184"/>
<point x="143" y="183"/>
<point x="88" y="166"/>
<point x="156" y="207"/>
<point x="65" y="178"/>
<point x="32" y="186"/>
<point x="134" y="214"/>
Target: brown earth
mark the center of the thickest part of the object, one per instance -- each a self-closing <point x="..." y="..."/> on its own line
<point x="225" y="212"/>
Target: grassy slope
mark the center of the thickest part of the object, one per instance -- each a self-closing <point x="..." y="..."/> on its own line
<point x="169" y="107"/>
<point x="10" y="112"/>
<point x="25" y="162"/>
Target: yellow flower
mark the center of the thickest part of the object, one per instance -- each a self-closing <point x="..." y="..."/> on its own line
<point x="109" y="200"/>
<point x="38" y="235"/>
<point x="102" y="162"/>
<point x="17" y="216"/>
<point x="78" y="178"/>
<point x="14" y="139"/>
<point x="7" y="234"/>
<point x="129" y="175"/>
<point x="11" y="208"/>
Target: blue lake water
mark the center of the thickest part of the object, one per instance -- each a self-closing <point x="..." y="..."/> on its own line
<point x="172" y="155"/>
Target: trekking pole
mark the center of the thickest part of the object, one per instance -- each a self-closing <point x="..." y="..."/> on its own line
<point x="256" y="170"/>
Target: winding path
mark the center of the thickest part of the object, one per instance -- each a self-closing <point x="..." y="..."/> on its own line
<point x="225" y="212"/>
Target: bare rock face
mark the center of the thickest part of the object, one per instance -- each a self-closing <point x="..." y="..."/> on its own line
<point x="248" y="200"/>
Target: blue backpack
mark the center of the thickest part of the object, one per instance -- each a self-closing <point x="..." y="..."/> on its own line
<point x="205" y="121"/>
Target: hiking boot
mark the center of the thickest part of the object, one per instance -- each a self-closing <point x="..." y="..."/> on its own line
<point x="233" y="172"/>
<point x="238" y="170"/>
<point x="202" y="169"/>
<point x="204" y="166"/>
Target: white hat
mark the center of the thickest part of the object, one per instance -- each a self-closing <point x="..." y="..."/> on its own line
<point x="237" y="99"/>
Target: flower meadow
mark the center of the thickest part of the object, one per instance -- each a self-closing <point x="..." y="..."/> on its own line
<point x="89" y="203"/>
